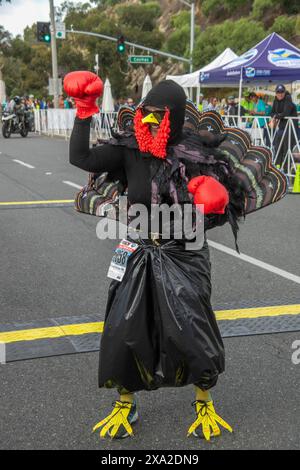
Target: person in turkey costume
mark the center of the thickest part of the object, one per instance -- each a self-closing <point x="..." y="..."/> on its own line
<point x="160" y="329"/>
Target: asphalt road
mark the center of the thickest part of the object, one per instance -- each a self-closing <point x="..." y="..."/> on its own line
<point x="53" y="265"/>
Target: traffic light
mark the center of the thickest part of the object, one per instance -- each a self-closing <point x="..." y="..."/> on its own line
<point x="121" y="45"/>
<point x="43" y="32"/>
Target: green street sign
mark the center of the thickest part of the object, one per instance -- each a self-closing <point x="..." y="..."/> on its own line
<point x="141" y="59"/>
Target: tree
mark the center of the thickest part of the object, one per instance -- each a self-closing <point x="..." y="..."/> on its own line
<point x="239" y="35"/>
<point x="286" y="26"/>
<point x="27" y="65"/>
<point x="140" y="16"/>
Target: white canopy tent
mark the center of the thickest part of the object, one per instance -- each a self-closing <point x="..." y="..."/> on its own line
<point x="191" y="80"/>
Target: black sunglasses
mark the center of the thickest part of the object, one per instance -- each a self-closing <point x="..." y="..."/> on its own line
<point x="159" y="115"/>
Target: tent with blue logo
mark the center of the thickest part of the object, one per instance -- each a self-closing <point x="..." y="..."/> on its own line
<point x="273" y="60"/>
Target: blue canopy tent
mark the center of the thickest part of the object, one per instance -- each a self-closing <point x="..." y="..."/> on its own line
<point x="273" y="60"/>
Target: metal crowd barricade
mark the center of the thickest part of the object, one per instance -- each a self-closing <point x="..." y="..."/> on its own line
<point x="59" y="122"/>
<point x="285" y="146"/>
<point x="104" y="124"/>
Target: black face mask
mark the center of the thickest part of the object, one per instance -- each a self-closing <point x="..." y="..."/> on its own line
<point x="171" y="95"/>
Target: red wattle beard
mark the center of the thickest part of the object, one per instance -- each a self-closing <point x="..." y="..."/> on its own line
<point x="157" y="145"/>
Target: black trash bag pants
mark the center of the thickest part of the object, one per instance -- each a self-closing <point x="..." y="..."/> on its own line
<point x="160" y="329"/>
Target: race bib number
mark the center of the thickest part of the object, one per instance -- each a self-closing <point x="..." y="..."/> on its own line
<point x="119" y="260"/>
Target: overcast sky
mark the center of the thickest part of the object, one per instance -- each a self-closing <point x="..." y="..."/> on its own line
<point x="18" y="14"/>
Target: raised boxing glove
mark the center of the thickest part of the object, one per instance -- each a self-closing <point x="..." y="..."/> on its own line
<point x="208" y="191"/>
<point x="85" y="87"/>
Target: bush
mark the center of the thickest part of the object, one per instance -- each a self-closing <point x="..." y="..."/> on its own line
<point x="240" y="35"/>
<point x="179" y="42"/>
<point x="181" y="20"/>
<point x="285" y="25"/>
<point x="142" y="16"/>
<point x="260" y="7"/>
<point x="213" y="8"/>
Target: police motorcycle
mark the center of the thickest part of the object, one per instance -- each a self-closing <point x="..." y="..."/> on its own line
<point x="15" y="122"/>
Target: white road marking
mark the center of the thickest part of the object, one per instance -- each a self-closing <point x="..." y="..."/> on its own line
<point x="48" y="173"/>
<point x="73" y="184"/>
<point x="23" y="163"/>
<point x="256" y="262"/>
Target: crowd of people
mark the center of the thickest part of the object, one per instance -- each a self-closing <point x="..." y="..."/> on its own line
<point x="253" y="104"/>
<point x="64" y="102"/>
<point x="269" y="115"/>
<point x="30" y="102"/>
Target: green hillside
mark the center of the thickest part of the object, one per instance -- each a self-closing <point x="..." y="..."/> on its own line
<point x="163" y="25"/>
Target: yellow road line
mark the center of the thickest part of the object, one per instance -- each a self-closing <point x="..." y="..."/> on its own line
<point x="50" y="332"/>
<point x="23" y="203"/>
<point x="257" y="312"/>
<point x="97" y="327"/>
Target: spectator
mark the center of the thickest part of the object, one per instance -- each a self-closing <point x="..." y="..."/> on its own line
<point x="223" y="106"/>
<point x="43" y="103"/>
<point x="68" y="103"/>
<point x="130" y="102"/>
<point x="29" y="102"/>
<point x="268" y="106"/>
<point x="36" y="104"/>
<point x="61" y="102"/>
<point x="246" y="103"/>
<point x="119" y="103"/>
<point x="259" y="109"/>
<point x="247" y="106"/>
<point x="232" y="109"/>
<point x="201" y="104"/>
<point x="282" y="108"/>
<point x="213" y="104"/>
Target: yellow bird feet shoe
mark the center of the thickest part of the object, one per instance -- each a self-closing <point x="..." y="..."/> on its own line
<point x="118" y="424"/>
<point x="206" y="425"/>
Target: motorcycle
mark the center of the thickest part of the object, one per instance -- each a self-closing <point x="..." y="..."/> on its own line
<point x="14" y="124"/>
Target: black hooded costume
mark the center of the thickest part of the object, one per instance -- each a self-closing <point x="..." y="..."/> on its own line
<point x="160" y="329"/>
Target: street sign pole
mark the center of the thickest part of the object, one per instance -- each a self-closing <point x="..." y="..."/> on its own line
<point x="54" y="54"/>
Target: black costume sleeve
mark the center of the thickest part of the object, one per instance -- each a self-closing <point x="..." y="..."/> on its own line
<point x="98" y="159"/>
<point x="288" y="108"/>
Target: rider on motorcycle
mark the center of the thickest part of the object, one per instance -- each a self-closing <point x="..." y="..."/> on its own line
<point x="15" y="119"/>
<point x="17" y="107"/>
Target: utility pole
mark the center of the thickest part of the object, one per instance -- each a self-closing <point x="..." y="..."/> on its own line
<point x="54" y="53"/>
<point x="191" y="5"/>
<point x="192" y="34"/>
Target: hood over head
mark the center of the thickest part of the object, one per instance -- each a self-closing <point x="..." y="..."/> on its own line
<point x="168" y="94"/>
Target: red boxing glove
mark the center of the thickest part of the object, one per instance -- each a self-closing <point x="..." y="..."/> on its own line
<point x="208" y="191"/>
<point x="85" y="87"/>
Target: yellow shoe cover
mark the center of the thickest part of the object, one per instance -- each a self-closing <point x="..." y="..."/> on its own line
<point x="208" y="418"/>
<point x="117" y="418"/>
